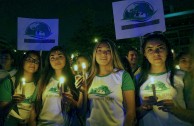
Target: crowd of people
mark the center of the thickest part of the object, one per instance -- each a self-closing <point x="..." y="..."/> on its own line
<point x="100" y="89"/>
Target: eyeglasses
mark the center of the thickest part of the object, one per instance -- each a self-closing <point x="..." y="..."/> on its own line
<point x="32" y="60"/>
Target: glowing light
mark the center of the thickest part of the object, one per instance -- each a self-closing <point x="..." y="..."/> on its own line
<point x="172" y="50"/>
<point x="75" y="67"/>
<point x="152" y="80"/>
<point x="61" y="80"/>
<point x="95" y="40"/>
<point x="83" y="65"/>
<point x="61" y="84"/>
<point x="72" y="56"/>
<point x="23" y="85"/>
<point x="177" y="67"/>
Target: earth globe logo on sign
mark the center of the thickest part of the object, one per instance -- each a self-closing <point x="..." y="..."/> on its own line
<point x="139" y="11"/>
<point x="39" y="30"/>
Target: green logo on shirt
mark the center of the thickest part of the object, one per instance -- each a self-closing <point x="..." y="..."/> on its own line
<point x="100" y="91"/>
<point x="28" y="100"/>
<point x="159" y="86"/>
<point x="54" y="90"/>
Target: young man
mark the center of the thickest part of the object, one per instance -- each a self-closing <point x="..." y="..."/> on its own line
<point x="132" y="57"/>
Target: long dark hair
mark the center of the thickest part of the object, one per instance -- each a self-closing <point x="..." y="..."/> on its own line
<point x="48" y="72"/>
<point x="20" y="69"/>
<point x="145" y="66"/>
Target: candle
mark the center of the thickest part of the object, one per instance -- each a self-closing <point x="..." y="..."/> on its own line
<point x="84" y="70"/>
<point x="23" y="85"/>
<point x="61" y="84"/>
<point x="154" y="90"/>
<point x="75" y="68"/>
<point x="153" y="87"/>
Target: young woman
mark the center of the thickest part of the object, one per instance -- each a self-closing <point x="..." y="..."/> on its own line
<point x="53" y="108"/>
<point x="188" y="113"/>
<point x="17" y="96"/>
<point x="184" y="61"/>
<point x="110" y="89"/>
<point x="159" y="87"/>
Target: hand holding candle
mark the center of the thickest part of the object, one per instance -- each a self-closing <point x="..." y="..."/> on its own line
<point x="61" y="84"/>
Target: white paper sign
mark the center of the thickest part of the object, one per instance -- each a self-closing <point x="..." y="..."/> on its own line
<point x="133" y="18"/>
<point x="37" y="34"/>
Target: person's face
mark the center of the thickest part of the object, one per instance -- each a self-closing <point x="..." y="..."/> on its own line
<point x="156" y="52"/>
<point x="132" y="57"/>
<point x="81" y="60"/>
<point x="31" y="64"/>
<point x="103" y="55"/>
<point x="185" y="63"/>
<point x="57" y="60"/>
<point x="6" y="61"/>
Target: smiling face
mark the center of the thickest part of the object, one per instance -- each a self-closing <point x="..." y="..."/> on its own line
<point x="57" y="60"/>
<point x="31" y="64"/>
<point x="132" y="57"/>
<point x="156" y="52"/>
<point x="103" y="55"/>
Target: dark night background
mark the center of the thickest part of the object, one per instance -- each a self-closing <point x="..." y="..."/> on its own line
<point x="80" y="21"/>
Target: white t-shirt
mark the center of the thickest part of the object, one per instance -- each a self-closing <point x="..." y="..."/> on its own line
<point x="164" y="90"/>
<point x="51" y="113"/>
<point x="25" y="107"/>
<point x="106" y="99"/>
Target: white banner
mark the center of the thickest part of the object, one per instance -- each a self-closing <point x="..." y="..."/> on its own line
<point x="37" y="34"/>
<point x="133" y="18"/>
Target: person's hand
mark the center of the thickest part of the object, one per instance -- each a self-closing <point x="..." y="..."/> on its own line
<point x="148" y="103"/>
<point x="67" y="99"/>
<point x="80" y="83"/>
<point x="166" y="105"/>
<point x="18" y="98"/>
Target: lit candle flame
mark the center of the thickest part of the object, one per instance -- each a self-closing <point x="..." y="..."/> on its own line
<point x="177" y="67"/>
<point x="23" y="81"/>
<point x="75" y="67"/>
<point x="72" y="56"/>
<point x="23" y="85"/>
<point x="152" y="80"/>
<point x="61" y="84"/>
<point x="61" y="80"/>
<point x="172" y="50"/>
<point x="83" y="65"/>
